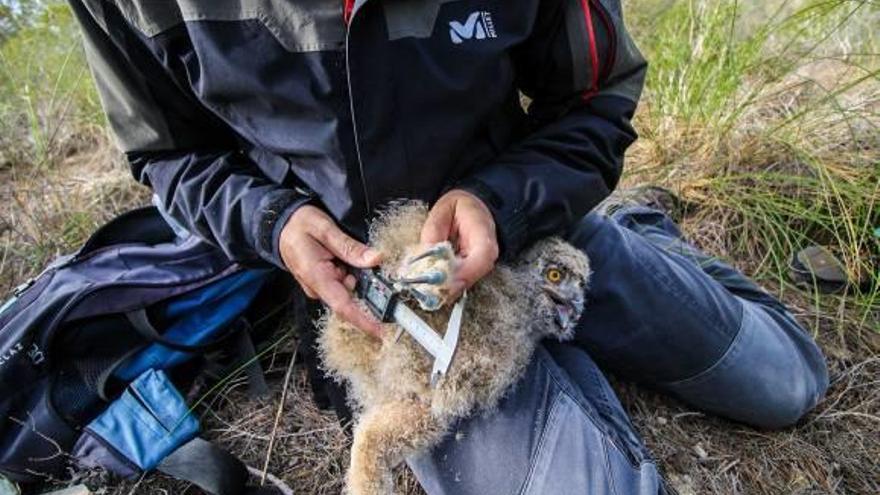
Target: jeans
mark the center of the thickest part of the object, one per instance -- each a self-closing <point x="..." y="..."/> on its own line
<point x="659" y="312"/>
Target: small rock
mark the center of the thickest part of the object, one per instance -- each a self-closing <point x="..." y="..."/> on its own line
<point x="683" y="484"/>
<point x="701" y="452"/>
<point x="662" y="421"/>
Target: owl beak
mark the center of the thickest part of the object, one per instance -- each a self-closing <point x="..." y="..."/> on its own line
<point x="568" y="306"/>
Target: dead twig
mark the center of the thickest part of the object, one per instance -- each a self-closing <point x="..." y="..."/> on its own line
<point x="284" y="390"/>
<point x="276" y="481"/>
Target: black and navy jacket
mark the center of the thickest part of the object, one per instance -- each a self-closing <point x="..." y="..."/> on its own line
<point x="237" y="112"/>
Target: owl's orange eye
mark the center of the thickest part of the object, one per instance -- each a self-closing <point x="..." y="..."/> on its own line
<point x="553" y="275"/>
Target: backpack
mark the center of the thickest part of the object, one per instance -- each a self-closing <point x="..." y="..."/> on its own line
<point x="91" y="351"/>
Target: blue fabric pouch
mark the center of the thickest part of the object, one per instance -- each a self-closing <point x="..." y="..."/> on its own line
<point x="196" y="318"/>
<point x="149" y="421"/>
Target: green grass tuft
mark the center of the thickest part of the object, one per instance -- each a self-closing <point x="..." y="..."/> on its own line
<point x="768" y="117"/>
<point x="47" y="97"/>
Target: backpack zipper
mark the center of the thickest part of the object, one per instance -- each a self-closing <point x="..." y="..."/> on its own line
<point x="55" y="322"/>
<point x="18" y="291"/>
<point x="8" y="304"/>
<point x="59" y="262"/>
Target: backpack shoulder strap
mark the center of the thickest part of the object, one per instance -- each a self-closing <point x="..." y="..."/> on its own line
<point x="142" y="225"/>
<point x="207" y="466"/>
<point x="140" y="321"/>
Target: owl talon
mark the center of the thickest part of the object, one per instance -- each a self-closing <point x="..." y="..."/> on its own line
<point x="432" y="278"/>
<point x="428" y="302"/>
<point x="425" y="275"/>
<point x="441" y="251"/>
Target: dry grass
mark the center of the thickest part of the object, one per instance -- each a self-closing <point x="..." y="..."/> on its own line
<point x="48" y="212"/>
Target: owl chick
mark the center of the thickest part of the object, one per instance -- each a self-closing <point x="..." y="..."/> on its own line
<point x="398" y="413"/>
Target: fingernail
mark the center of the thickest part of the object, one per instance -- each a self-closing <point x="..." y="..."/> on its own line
<point x="371" y="255"/>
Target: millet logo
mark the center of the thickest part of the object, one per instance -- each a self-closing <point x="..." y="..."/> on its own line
<point x="478" y="26"/>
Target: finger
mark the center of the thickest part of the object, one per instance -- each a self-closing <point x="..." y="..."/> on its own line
<point x="478" y="262"/>
<point x="306" y="289"/>
<point x="456" y="289"/>
<point x="339" y="300"/>
<point x="357" y="316"/>
<point x="350" y="282"/>
<point x="439" y="223"/>
<point x="345" y="248"/>
<point x="339" y="273"/>
<point x="337" y="297"/>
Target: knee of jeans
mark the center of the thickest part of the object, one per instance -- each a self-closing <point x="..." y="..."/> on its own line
<point x="766" y="403"/>
<point x="791" y="400"/>
<point x="803" y="385"/>
<point x="772" y="375"/>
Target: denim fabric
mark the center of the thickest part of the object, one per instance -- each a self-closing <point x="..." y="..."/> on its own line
<point x="663" y="313"/>
<point x="548" y="436"/>
<point x="660" y="312"/>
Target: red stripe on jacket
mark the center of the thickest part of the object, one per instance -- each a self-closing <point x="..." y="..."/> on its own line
<point x="594" y="52"/>
<point x="347" y="9"/>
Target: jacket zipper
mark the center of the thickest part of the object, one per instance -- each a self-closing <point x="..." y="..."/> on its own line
<point x="608" y="66"/>
<point x="357" y="144"/>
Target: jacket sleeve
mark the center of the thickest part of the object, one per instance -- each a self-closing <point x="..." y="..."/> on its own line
<point x="174" y="145"/>
<point x="583" y="75"/>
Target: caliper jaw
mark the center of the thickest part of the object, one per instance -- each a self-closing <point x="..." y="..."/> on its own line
<point x="381" y="298"/>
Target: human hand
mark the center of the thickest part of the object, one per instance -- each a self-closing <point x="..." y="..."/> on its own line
<point x="463" y="219"/>
<point x="311" y="246"/>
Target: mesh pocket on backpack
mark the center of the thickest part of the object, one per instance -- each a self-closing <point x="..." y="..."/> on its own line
<point x="75" y="389"/>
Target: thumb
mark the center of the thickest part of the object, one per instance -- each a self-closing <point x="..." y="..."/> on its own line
<point x="349" y="250"/>
<point x="438" y="226"/>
